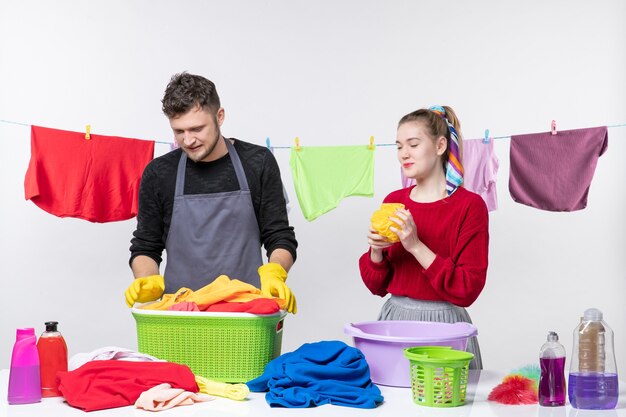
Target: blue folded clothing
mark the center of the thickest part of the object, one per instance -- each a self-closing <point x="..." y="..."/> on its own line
<point x="327" y="372"/>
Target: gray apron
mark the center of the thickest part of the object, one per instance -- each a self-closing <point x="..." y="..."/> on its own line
<point x="212" y="234"/>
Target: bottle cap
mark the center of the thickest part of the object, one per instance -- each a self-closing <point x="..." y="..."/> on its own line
<point x="593" y="314"/>
<point x="26" y="331"/>
<point x="553" y="336"/>
<point x="51" y="326"/>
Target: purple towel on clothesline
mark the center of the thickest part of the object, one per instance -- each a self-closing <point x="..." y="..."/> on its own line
<point x="554" y="172"/>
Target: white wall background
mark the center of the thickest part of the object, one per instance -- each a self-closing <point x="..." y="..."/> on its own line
<point x="332" y="73"/>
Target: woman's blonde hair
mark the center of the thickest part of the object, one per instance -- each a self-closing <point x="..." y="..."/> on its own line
<point x="437" y="126"/>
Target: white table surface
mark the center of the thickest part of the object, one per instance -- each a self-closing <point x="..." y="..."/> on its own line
<point x="398" y="403"/>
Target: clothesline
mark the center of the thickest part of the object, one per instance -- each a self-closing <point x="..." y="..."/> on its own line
<point x="289" y="147"/>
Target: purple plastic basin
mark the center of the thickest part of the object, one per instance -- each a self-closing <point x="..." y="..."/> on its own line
<point x="383" y="342"/>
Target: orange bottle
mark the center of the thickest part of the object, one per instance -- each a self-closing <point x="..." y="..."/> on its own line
<point x="52" y="359"/>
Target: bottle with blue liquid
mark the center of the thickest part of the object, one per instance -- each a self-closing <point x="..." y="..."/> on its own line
<point x="593" y="373"/>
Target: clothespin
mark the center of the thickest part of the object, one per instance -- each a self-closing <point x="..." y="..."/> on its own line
<point x="371" y="145"/>
<point x="486" y="138"/>
<point x="553" y="128"/>
<point x="297" y="140"/>
<point x="87" y="132"/>
<point x="267" y="143"/>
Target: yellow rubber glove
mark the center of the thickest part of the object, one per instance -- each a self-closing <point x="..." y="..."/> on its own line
<point x="145" y="289"/>
<point x="237" y="392"/>
<point x="273" y="277"/>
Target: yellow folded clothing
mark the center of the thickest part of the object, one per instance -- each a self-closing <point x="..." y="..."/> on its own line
<point x="237" y="392"/>
<point x="222" y="289"/>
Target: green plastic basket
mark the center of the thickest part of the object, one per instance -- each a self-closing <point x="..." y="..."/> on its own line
<point x="227" y="347"/>
<point x="438" y="375"/>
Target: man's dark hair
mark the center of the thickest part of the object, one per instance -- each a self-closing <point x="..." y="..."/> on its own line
<point x="186" y="91"/>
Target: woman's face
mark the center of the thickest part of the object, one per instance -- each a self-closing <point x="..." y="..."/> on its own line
<point x="418" y="152"/>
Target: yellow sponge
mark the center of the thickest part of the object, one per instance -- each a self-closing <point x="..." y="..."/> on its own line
<point x="381" y="222"/>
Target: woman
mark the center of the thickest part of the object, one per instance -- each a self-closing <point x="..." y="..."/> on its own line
<point x="439" y="265"/>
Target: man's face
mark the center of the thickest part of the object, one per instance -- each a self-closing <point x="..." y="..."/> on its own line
<point x="197" y="133"/>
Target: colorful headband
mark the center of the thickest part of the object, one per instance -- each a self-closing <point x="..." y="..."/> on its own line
<point x="454" y="169"/>
<point x="439" y="110"/>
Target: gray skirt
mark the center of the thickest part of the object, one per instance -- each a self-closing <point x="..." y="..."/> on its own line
<point x="406" y="308"/>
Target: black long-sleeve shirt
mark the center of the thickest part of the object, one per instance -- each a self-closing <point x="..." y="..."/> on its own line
<point x="158" y="182"/>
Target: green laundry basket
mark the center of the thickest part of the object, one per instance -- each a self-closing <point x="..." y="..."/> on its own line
<point x="438" y="375"/>
<point x="227" y="347"/>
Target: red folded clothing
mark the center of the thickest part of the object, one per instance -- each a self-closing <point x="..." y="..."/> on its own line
<point x="184" y="306"/>
<point x="256" y="306"/>
<point x="98" y="385"/>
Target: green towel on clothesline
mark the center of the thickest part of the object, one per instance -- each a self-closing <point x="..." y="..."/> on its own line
<point x="324" y="175"/>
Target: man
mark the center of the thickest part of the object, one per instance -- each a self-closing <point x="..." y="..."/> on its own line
<point x="210" y="204"/>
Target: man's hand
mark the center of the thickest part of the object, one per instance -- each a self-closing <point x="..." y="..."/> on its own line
<point x="145" y="289"/>
<point x="273" y="277"/>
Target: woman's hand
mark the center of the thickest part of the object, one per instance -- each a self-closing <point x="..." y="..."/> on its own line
<point x="377" y="244"/>
<point x="406" y="230"/>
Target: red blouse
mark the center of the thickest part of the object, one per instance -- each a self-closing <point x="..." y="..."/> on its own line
<point x="456" y="229"/>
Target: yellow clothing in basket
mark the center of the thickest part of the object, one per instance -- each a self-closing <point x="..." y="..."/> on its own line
<point x="222" y="289"/>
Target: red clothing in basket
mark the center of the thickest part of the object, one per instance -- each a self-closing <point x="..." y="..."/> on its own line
<point x="95" y="180"/>
<point x="256" y="306"/>
<point x="99" y="385"/>
<point x="456" y="229"/>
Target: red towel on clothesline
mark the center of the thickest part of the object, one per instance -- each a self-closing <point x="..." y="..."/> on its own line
<point x="96" y="179"/>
